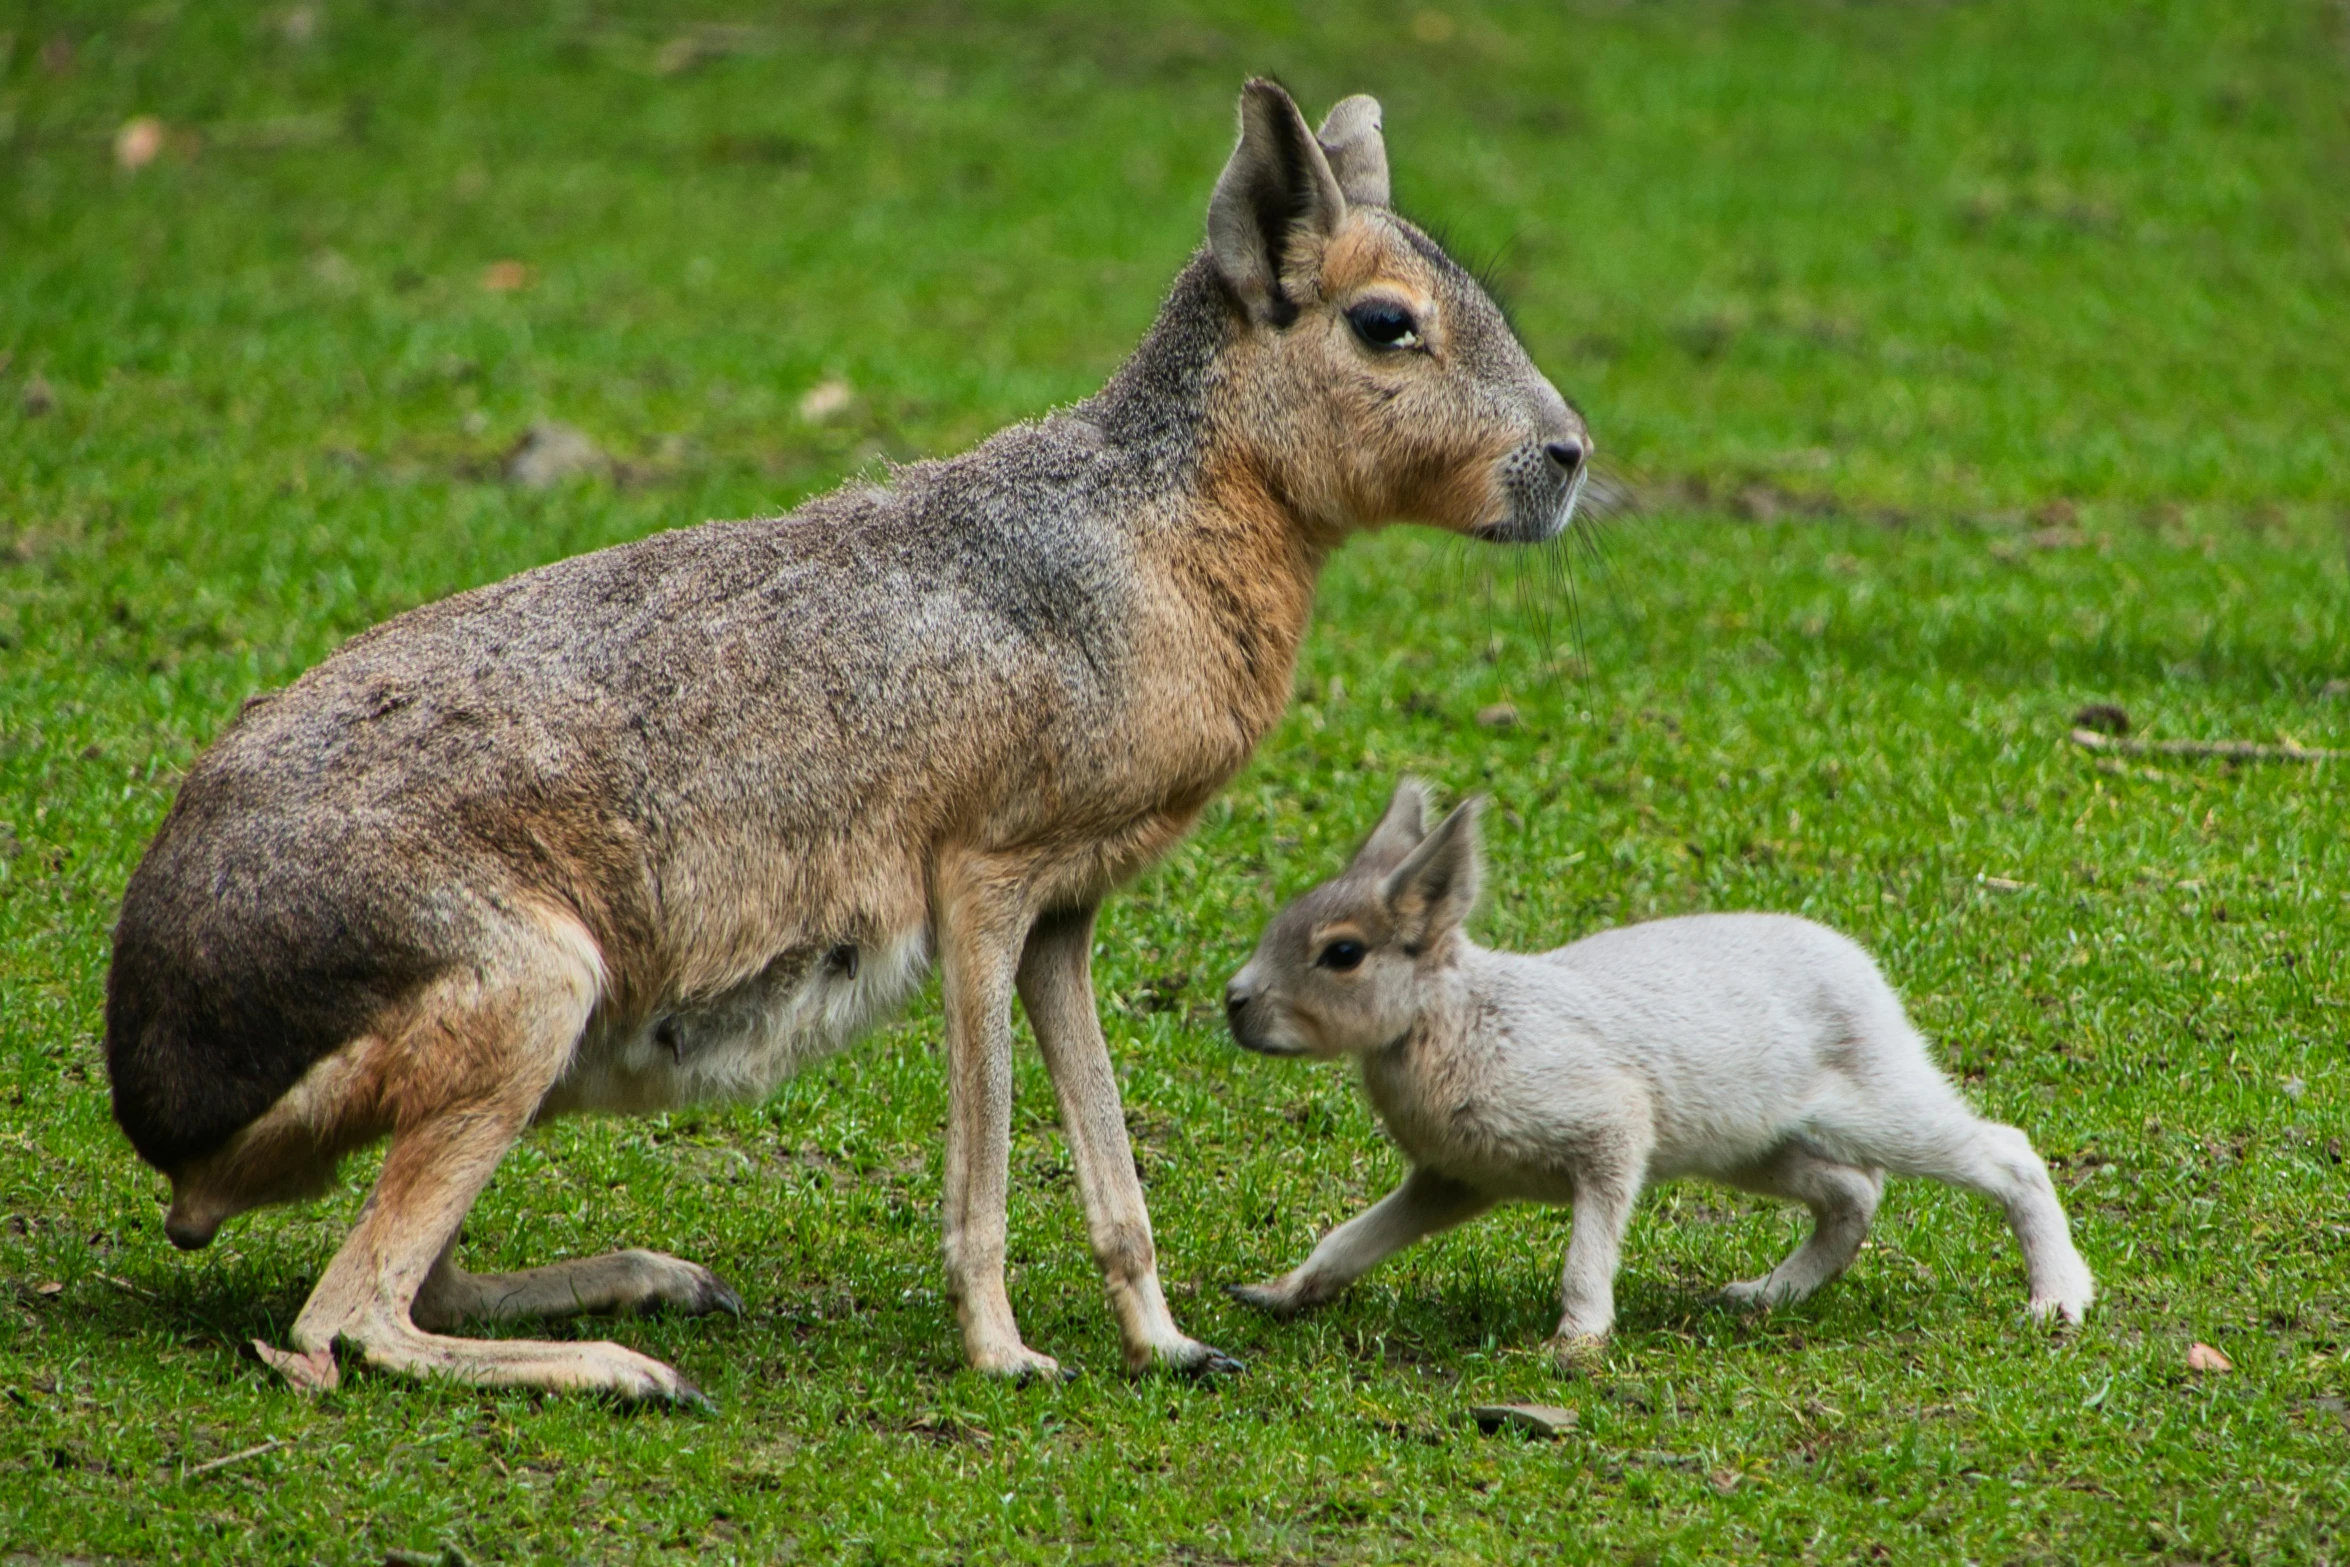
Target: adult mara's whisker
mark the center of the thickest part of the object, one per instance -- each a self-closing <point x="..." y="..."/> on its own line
<point x="1574" y="497"/>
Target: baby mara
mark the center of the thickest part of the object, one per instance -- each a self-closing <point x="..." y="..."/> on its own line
<point x="1758" y="1050"/>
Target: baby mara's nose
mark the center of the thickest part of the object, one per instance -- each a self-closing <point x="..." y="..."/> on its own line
<point x="1237" y="996"/>
<point x="1567" y="454"/>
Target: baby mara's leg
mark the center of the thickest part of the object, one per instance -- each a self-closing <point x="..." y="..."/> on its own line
<point x="1998" y="1162"/>
<point x="1842" y="1199"/>
<point x="1424" y="1204"/>
<point x="1587" y="1291"/>
<point x="1909" y="1119"/>
<point x="1609" y="1171"/>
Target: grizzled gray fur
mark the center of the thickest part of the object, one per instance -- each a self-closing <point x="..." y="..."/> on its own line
<point x="661" y="823"/>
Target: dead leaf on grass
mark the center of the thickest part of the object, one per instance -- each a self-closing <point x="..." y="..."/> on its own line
<point x="2202" y="1357"/>
<point x="827" y="399"/>
<point x="1542" y="1420"/>
<point x="551" y="452"/>
<point x="138" y="142"/>
<point x="507" y="277"/>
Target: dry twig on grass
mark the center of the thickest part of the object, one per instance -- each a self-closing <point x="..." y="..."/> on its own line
<point x="2231" y="750"/>
<point x="270" y="1446"/>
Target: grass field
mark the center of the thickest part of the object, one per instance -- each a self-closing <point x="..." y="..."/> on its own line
<point x="1976" y="361"/>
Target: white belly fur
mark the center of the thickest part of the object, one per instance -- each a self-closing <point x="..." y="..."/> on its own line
<point x="744" y="1043"/>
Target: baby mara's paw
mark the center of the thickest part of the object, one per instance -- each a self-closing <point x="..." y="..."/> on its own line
<point x="1764" y="1294"/>
<point x="1277" y="1298"/>
<point x="1747" y="1294"/>
<point x="1575" y="1353"/>
<point x="2061" y="1294"/>
<point x="2055" y="1311"/>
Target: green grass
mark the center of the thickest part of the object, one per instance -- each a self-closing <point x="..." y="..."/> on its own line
<point x="1980" y="361"/>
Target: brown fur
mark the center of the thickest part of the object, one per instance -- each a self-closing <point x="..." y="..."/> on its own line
<point x="663" y="822"/>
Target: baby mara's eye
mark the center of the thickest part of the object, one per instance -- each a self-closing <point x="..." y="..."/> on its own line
<point x="1384" y="324"/>
<point x="1344" y="956"/>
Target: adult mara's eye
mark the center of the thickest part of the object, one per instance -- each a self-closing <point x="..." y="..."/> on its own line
<point x="1384" y="324"/>
<point x="1342" y="956"/>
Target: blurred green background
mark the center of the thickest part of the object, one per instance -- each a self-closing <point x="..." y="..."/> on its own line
<point x="1970" y="362"/>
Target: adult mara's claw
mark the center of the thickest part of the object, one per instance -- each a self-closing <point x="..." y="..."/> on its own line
<point x="1191" y="1358"/>
<point x="312" y="1373"/>
<point x="1215" y="1363"/>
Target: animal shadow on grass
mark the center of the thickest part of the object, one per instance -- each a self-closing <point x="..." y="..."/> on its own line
<point x="790" y="1327"/>
<point x="1432" y="1324"/>
<point x="230" y="1308"/>
<point x="223" y="1308"/>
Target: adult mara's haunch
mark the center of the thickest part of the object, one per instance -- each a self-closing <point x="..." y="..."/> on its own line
<point x="665" y="822"/>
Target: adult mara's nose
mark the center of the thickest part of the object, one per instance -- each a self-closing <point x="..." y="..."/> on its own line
<point x="1566" y="439"/>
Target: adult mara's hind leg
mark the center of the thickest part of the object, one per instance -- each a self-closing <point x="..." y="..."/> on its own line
<point x="619" y="1283"/>
<point x="1842" y="1199"/>
<point x="478" y="1053"/>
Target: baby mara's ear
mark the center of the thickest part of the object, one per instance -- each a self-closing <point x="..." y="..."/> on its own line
<point x="1399" y="832"/>
<point x="1433" y="890"/>
<point x="1277" y="187"/>
<point x="1351" y="139"/>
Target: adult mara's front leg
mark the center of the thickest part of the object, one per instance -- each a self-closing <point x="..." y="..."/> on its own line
<point x="979" y="905"/>
<point x="1056" y="986"/>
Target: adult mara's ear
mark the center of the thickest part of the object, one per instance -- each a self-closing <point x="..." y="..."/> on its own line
<point x="1277" y="187"/>
<point x="1351" y="140"/>
<point x="1399" y="832"/>
<point x="1434" y="889"/>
